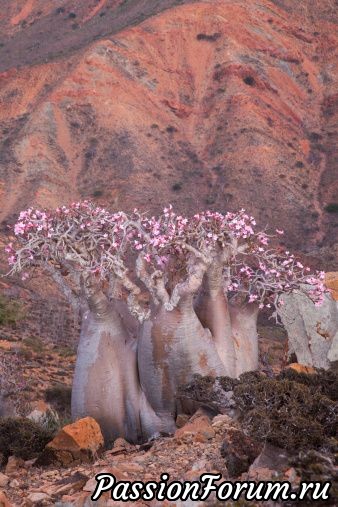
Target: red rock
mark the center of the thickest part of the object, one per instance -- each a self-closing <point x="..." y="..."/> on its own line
<point x="301" y="368"/>
<point x="331" y="282"/>
<point x="79" y="441"/>
<point x="200" y="426"/>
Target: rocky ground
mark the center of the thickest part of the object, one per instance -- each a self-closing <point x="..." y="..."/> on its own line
<point x="203" y="442"/>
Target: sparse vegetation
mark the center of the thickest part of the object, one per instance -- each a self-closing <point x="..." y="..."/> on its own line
<point x="249" y="80"/>
<point x="10" y="312"/>
<point x="97" y="193"/>
<point x="22" y="438"/>
<point x="171" y="129"/>
<point x="332" y="207"/>
<point x="59" y="396"/>
<point x="210" y="38"/>
<point x="177" y="186"/>
<point x="292" y="411"/>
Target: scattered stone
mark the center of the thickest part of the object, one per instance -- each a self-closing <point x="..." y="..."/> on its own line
<point x="239" y="451"/>
<point x="13" y="464"/>
<point x="122" y="443"/>
<point x="4" y="480"/>
<point x="37" y="498"/>
<point x="14" y="483"/>
<point x="68" y="485"/>
<point x="77" y="442"/>
<point x="199" y="426"/>
<point x="5" y="345"/>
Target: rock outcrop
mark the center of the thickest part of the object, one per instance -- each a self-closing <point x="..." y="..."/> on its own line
<point x="312" y="330"/>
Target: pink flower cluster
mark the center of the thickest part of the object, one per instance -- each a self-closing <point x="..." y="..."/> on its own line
<point x="95" y="240"/>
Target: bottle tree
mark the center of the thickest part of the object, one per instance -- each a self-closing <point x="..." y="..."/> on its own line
<point x="206" y="277"/>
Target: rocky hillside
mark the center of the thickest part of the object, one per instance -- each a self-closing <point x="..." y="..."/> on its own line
<point x="217" y="104"/>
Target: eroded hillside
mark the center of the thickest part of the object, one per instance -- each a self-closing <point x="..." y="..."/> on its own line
<point x="216" y="104"/>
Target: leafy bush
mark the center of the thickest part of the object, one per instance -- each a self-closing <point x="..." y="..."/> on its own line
<point x="22" y="438"/>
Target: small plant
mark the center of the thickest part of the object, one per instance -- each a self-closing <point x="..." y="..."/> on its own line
<point x="59" y="396"/>
<point x="210" y="38"/>
<point x="249" y="80"/>
<point x="176" y="186"/>
<point x="34" y="343"/>
<point x="10" y="312"/>
<point x="22" y="438"/>
<point x="97" y="193"/>
<point x="171" y="129"/>
<point x="332" y="207"/>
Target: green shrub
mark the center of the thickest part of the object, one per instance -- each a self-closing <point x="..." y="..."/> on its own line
<point x="22" y="438"/>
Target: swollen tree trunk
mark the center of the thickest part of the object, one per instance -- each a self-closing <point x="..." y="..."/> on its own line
<point x="245" y="337"/>
<point x="173" y="347"/>
<point x="106" y="384"/>
<point x="212" y="309"/>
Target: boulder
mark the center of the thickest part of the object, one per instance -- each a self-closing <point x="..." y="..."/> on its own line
<point x="76" y="442"/>
<point x="312" y="330"/>
<point x="198" y="426"/>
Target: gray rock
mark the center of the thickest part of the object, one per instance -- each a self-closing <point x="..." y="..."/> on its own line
<point x="312" y="330"/>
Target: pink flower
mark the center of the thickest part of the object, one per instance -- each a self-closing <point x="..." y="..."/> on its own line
<point x="252" y="298"/>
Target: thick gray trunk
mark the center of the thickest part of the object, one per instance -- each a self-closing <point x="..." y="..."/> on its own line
<point x="212" y="309"/>
<point x="173" y="347"/>
<point x="106" y="383"/>
<point x="312" y="330"/>
<point x="245" y="337"/>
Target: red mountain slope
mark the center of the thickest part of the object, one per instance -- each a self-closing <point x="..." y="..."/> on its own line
<point x="219" y="104"/>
